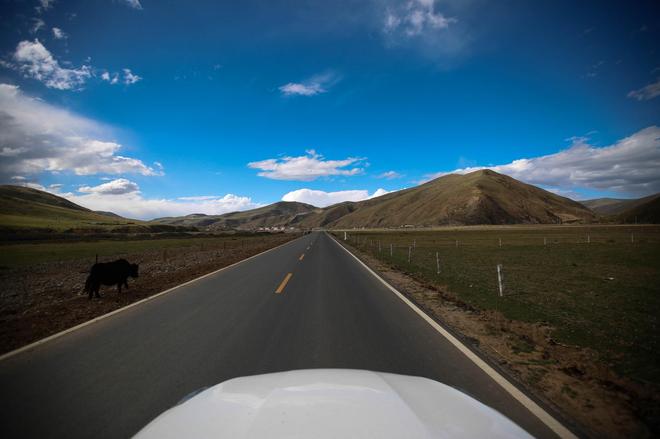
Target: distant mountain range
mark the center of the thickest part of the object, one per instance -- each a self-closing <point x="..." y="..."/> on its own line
<point x="481" y="197"/>
<point x="278" y="214"/>
<point x="642" y="210"/>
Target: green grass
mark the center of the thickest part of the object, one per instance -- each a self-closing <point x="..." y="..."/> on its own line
<point x="18" y="255"/>
<point x="62" y="221"/>
<point x="604" y="294"/>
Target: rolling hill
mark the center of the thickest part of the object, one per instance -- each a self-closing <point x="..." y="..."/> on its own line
<point x="481" y="197"/>
<point x="26" y="208"/>
<point x="645" y="209"/>
<point x="283" y="213"/>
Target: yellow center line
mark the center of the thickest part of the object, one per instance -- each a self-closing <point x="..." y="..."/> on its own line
<point x="283" y="284"/>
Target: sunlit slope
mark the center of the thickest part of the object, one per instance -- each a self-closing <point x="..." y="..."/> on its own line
<point x="481" y="197"/>
<point x="26" y="208"/>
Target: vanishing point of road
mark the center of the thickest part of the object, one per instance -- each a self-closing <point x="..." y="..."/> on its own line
<point x="306" y="304"/>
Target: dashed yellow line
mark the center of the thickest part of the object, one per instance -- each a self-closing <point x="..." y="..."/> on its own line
<point x="283" y="284"/>
<point x="301" y="257"/>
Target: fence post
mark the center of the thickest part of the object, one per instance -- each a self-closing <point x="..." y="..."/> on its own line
<point x="391" y="249"/>
<point x="500" y="242"/>
<point x="588" y="239"/>
<point x="500" y="279"/>
<point x="632" y="238"/>
<point x="379" y="249"/>
<point x="409" y="253"/>
<point x="437" y="262"/>
<point x="544" y="241"/>
<point x="345" y="236"/>
<point x="457" y="243"/>
<point x="414" y="243"/>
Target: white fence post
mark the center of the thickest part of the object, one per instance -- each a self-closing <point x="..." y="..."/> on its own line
<point x="500" y="242"/>
<point x="414" y="243"/>
<point x="588" y="239"/>
<point x="457" y="243"/>
<point x="500" y="279"/>
<point x="437" y="262"/>
<point x="345" y="237"/>
<point x="391" y="249"/>
<point x="409" y="253"/>
<point x="544" y="241"/>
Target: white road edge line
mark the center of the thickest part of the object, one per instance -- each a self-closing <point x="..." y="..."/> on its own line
<point x="554" y="425"/>
<point x="134" y="304"/>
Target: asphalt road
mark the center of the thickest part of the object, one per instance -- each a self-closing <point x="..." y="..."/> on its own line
<point x="112" y="377"/>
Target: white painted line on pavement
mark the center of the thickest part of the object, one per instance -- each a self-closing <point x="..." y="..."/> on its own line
<point x="139" y="302"/>
<point x="528" y="403"/>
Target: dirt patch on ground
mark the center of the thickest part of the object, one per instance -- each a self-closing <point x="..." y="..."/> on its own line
<point x="572" y="380"/>
<point x="46" y="298"/>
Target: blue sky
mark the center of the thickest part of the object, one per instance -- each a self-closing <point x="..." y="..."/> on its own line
<point x="131" y="106"/>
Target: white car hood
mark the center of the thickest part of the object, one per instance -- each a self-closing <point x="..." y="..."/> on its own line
<point x="331" y="403"/>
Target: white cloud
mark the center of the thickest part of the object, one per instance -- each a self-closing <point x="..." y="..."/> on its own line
<point x="112" y="79"/>
<point x="44" y="5"/>
<point x="124" y="198"/>
<point x="130" y="78"/>
<point x="414" y="17"/>
<point x="629" y="166"/>
<point x="390" y="175"/>
<point x="135" y="4"/>
<point x="38" y="137"/>
<point x="37" y="25"/>
<point x="323" y="199"/>
<point x="431" y="28"/>
<point x="59" y="34"/>
<point x="114" y="187"/>
<point x="647" y="92"/>
<point x="305" y="168"/>
<point x="33" y="60"/>
<point x="315" y="85"/>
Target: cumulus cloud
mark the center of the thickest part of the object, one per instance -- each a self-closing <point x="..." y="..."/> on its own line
<point x="37" y="137"/>
<point x="323" y="199"/>
<point x="305" y="168"/>
<point x="628" y="166"/>
<point x="647" y="92"/>
<point x="313" y="86"/>
<point x="114" y="187"/>
<point x="412" y="18"/>
<point x="33" y="60"/>
<point x="124" y="198"/>
<point x="59" y="34"/>
<point x="390" y="175"/>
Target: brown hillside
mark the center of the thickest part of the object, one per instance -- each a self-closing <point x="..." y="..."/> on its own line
<point x="481" y="197"/>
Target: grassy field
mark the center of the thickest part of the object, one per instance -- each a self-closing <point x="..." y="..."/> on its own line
<point x="599" y="286"/>
<point x="19" y="255"/>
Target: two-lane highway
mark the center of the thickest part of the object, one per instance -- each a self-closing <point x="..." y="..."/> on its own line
<point x="306" y="304"/>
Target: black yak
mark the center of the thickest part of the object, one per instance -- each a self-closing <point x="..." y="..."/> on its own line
<point x="109" y="273"/>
